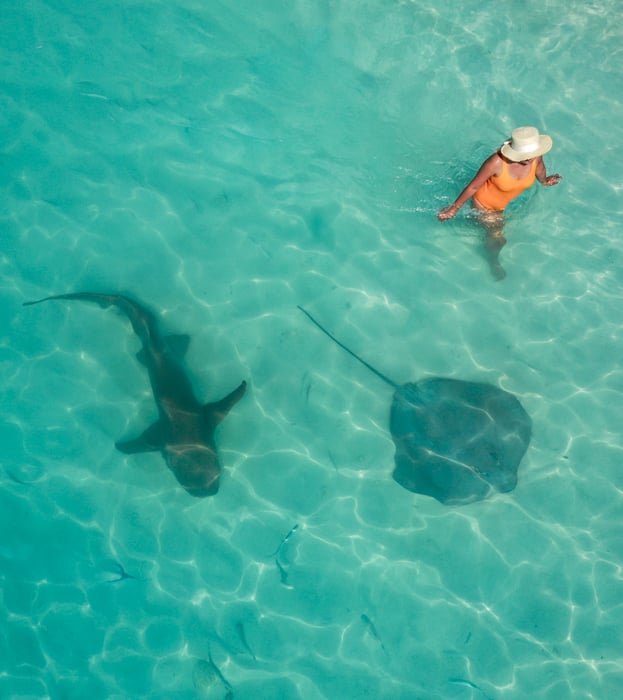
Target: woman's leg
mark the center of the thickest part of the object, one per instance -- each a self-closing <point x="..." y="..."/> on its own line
<point x="493" y="224"/>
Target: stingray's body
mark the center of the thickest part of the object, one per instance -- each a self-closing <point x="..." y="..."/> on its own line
<point x="456" y="441"/>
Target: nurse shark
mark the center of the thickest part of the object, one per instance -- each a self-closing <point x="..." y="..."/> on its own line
<point x="184" y="431"/>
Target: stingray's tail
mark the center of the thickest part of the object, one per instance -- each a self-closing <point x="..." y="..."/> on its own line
<point x="380" y="375"/>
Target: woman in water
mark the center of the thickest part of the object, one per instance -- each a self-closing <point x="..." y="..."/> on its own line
<point x="501" y="178"/>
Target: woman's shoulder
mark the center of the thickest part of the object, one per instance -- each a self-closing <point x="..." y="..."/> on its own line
<point x="493" y="164"/>
<point x="495" y="158"/>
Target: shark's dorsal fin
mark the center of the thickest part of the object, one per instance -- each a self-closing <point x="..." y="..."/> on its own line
<point x="215" y="412"/>
<point x="152" y="440"/>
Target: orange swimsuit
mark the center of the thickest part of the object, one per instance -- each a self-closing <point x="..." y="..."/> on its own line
<point x="500" y="189"/>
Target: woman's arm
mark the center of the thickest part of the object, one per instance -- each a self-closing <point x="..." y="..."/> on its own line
<point x="490" y="167"/>
<point x="543" y="177"/>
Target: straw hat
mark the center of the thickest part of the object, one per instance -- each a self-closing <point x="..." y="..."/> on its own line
<point x="526" y="143"/>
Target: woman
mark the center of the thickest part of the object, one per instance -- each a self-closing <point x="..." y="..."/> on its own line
<point x="502" y="178"/>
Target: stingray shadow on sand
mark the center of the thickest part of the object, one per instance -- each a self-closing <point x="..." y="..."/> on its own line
<point x="456" y="441"/>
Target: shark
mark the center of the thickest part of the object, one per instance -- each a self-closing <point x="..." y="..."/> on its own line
<point x="184" y="430"/>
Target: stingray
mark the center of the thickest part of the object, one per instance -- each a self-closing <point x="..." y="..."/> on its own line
<point x="456" y="441"/>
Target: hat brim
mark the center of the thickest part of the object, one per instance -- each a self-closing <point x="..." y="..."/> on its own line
<point x="545" y="145"/>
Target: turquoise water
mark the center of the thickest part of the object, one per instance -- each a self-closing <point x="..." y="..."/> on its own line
<point x="224" y="163"/>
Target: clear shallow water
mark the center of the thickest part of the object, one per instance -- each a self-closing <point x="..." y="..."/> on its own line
<point x="223" y="164"/>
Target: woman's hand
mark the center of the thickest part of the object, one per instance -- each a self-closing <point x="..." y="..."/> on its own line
<point x="447" y="212"/>
<point x="552" y="180"/>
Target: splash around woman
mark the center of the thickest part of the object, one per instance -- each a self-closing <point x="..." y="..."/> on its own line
<point x="500" y="179"/>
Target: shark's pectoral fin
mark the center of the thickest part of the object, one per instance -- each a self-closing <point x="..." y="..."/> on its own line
<point x="151" y="440"/>
<point x="215" y="412"/>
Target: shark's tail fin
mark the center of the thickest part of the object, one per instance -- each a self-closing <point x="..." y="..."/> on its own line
<point x="104" y="300"/>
